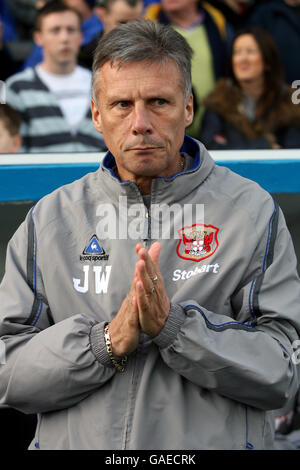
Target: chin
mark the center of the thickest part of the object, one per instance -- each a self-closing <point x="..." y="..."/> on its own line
<point x="244" y="78"/>
<point x="66" y="61"/>
<point x="147" y="171"/>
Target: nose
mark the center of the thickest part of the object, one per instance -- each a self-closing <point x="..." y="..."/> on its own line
<point x="141" y="123"/>
<point x="243" y="55"/>
<point x="64" y="35"/>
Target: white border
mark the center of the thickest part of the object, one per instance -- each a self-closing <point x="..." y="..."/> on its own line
<point x="91" y="157"/>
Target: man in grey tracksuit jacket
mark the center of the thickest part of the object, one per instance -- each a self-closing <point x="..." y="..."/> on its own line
<point x="130" y="319"/>
<point x="223" y="360"/>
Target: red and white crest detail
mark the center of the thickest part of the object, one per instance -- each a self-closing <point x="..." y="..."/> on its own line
<point x="197" y="242"/>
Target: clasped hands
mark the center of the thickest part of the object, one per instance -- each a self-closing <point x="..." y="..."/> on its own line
<point x="146" y="307"/>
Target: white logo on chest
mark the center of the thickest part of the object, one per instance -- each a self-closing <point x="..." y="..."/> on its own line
<point x="101" y="280"/>
<point x="209" y="268"/>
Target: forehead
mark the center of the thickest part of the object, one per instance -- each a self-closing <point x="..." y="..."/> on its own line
<point x="140" y="76"/>
<point x="64" y="18"/>
<point x="246" y="40"/>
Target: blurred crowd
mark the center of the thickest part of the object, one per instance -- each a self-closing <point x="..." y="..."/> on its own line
<point x="245" y="69"/>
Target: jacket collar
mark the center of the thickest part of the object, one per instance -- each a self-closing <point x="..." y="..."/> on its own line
<point x="163" y="189"/>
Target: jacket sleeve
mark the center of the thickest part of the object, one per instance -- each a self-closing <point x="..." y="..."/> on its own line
<point x="211" y="126"/>
<point x="47" y="366"/>
<point x="253" y="361"/>
<point x="218" y="134"/>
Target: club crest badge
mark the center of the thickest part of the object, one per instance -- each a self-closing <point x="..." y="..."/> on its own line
<point x="197" y="242"/>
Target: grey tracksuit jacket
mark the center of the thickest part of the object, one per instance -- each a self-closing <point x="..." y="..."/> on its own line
<point x="226" y="355"/>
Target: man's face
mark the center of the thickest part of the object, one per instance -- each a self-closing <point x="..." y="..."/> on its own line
<point x="142" y="116"/>
<point x="60" y="36"/>
<point x="120" y="12"/>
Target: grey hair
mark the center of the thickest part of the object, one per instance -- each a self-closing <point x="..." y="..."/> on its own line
<point x="142" y="40"/>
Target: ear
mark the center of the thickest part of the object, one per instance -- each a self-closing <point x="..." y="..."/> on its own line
<point x="17" y="142"/>
<point x="37" y="38"/>
<point x="96" y="116"/>
<point x="189" y="110"/>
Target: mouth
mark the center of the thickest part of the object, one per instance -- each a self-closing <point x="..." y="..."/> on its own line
<point x="65" y="50"/>
<point x="144" y="148"/>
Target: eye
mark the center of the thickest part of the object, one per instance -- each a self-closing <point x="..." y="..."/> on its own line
<point x="123" y="104"/>
<point x="72" y="30"/>
<point x="158" y="101"/>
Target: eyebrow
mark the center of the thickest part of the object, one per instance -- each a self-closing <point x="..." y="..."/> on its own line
<point x="73" y="27"/>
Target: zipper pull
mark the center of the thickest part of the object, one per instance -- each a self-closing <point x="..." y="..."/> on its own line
<point x="145" y="235"/>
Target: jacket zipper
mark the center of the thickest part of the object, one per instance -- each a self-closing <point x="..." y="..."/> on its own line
<point x="147" y="229"/>
<point x="37" y="443"/>
<point x="146" y="238"/>
<point x="134" y="382"/>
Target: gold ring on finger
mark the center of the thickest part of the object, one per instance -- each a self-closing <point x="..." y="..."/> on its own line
<point x="154" y="279"/>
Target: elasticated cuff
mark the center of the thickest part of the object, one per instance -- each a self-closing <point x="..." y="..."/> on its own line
<point x="98" y="345"/>
<point x="172" y="326"/>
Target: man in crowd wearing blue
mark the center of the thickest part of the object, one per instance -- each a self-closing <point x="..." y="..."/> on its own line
<point x="91" y="26"/>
